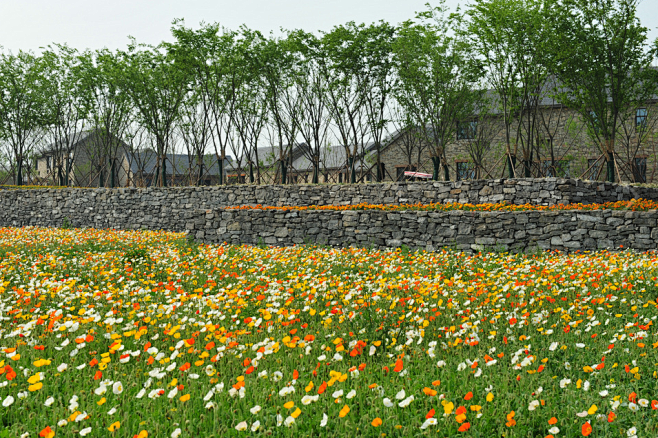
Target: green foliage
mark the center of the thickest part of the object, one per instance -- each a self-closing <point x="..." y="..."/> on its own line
<point x="66" y="224"/>
<point x="436" y="73"/>
<point x="602" y="60"/>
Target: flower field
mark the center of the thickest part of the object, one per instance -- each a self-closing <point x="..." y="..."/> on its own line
<point x="110" y="333"/>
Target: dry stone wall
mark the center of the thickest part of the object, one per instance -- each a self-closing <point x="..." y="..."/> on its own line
<point x="200" y="211"/>
<point x="519" y="231"/>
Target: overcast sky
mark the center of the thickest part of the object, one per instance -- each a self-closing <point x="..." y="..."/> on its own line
<point x="30" y="24"/>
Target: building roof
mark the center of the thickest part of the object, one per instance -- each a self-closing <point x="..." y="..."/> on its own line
<point x="331" y="158"/>
<point x="179" y="164"/>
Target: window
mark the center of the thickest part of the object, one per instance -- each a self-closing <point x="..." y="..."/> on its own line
<point x="466" y="130"/>
<point x="382" y="171"/>
<point x="561" y="169"/>
<point x="399" y="171"/>
<point x="340" y="177"/>
<point x="465" y="170"/>
<point x="640" y="169"/>
<point x="49" y="162"/>
<point x="594" y="165"/>
<point x="641" y="119"/>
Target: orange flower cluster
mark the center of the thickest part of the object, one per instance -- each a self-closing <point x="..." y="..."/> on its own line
<point x="632" y="205"/>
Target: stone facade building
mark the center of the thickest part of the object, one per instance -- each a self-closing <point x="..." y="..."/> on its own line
<point x="559" y="147"/>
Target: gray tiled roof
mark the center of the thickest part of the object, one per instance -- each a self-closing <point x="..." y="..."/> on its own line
<point x="179" y="163"/>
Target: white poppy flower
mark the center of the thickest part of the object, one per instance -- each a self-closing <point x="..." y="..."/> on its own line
<point x="8" y="401"/>
<point x="406" y="402"/>
<point x="117" y="388"/>
<point x="429" y="422"/>
<point x="241" y="426"/>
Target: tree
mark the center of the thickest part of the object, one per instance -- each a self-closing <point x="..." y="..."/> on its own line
<point x="405" y="137"/>
<point x="20" y="110"/>
<point x="510" y="37"/>
<point x="66" y="106"/>
<point x="276" y="65"/>
<point x="311" y="86"/>
<point x="379" y="40"/>
<point x="110" y="113"/>
<point x="487" y="128"/>
<point x="157" y="82"/>
<point x="346" y="81"/>
<point x="602" y="62"/>
<point x="209" y="52"/>
<point x="437" y="75"/>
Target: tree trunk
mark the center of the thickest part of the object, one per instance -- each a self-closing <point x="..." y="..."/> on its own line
<point x="610" y="160"/>
<point x="350" y="165"/>
<point x="511" y="164"/>
<point x="380" y="177"/>
<point x="446" y="171"/>
<point x="316" y="169"/>
<point x="284" y="171"/>
<point x="436" y="162"/>
<point x="526" y="168"/>
<point x="101" y="176"/>
<point x="164" y="172"/>
<point x="112" y="174"/>
<point x="220" y="168"/>
<point x="19" y="173"/>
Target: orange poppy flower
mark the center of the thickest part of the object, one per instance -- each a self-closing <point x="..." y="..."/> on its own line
<point x="376" y="422"/>
<point x="47" y="432"/>
<point x="464" y="427"/>
<point x="586" y="429"/>
<point x="399" y="365"/>
<point x="429" y="391"/>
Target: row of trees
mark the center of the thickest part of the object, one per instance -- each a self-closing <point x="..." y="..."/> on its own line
<point x="217" y="92"/>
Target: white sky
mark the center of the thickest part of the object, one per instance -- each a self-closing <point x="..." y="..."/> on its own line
<point x="30" y="24"/>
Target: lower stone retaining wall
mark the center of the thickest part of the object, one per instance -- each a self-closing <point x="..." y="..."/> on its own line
<point x="519" y="231"/>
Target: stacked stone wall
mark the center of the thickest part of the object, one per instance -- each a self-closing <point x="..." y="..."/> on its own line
<point x="201" y="212"/>
<point x="518" y="231"/>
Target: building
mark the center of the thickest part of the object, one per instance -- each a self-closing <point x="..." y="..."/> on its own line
<point x="94" y="160"/>
<point x="560" y="147"/>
